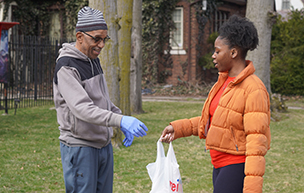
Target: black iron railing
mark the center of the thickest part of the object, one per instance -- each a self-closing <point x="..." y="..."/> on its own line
<point x="31" y="69"/>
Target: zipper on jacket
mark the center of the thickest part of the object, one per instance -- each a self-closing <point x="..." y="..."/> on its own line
<point x="206" y="131"/>
<point x="207" y="127"/>
<point x="233" y="137"/>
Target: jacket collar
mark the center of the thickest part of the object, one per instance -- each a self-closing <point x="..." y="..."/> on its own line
<point x="249" y="70"/>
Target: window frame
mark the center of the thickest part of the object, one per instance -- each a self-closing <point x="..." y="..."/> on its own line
<point x="219" y="18"/>
<point x="182" y="31"/>
<point x="285" y="4"/>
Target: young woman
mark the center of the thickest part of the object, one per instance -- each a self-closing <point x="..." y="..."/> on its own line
<point x="236" y="115"/>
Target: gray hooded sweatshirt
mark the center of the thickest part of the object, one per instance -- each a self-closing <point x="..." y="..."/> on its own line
<point x="84" y="111"/>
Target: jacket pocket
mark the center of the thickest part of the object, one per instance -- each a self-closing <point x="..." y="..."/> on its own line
<point x="234" y="139"/>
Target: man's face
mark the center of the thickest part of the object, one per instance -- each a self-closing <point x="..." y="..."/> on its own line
<point x="89" y="46"/>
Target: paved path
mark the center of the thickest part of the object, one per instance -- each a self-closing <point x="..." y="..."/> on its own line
<point x="185" y="99"/>
<point x="173" y="98"/>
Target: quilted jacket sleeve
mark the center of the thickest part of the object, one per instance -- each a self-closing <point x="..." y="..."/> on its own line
<point x="256" y="125"/>
<point x="185" y="127"/>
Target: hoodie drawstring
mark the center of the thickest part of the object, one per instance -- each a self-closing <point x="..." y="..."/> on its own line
<point x="92" y="69"/>
<point x="99" y="71"/>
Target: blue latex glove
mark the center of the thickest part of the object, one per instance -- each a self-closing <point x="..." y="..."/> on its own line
<point x="134" y="126"/>
<point x="128" y="137"/>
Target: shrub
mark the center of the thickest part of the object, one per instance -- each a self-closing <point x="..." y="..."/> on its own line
<point x="206" y="60"/>
<point x="287" y="48"/>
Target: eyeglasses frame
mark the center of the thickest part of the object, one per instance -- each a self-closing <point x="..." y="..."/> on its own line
<point x="96" y="38"/>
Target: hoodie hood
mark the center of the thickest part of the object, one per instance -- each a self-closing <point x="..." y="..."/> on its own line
<point x="69" y="50"/>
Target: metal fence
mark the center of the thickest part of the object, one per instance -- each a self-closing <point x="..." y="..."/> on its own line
<point x="31" y="69"/>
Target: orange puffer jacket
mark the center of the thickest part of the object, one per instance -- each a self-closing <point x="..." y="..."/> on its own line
<point x="240" y="124"/>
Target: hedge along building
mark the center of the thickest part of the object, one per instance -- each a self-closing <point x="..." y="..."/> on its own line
<point x="195" y="22"/>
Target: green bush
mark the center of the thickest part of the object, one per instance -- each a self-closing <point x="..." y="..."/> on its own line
<point x="287" y="48"/>
<point x="206" y="60"/>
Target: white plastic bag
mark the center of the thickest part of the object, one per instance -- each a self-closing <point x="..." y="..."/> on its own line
<point x="164" y="172"/>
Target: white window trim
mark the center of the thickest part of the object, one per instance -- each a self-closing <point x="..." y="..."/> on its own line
<point x="179" y="49"/>
<point x="176" y="52"/>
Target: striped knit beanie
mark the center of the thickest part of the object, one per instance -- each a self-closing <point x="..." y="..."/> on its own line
<point x="90" y="19"/>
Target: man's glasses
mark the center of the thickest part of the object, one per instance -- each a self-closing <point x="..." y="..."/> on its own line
<point x="98" y="39"/>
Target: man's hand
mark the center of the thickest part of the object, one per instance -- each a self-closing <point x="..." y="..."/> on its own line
<point x="131" y="126"/>
<point x="128" y="138"/>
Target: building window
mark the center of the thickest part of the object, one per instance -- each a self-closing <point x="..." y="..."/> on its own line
<point x="176" y="39"/>
<point x="285" y="4"/>
<point x="220" y="17"/>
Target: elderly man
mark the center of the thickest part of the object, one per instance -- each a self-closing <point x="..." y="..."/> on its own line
<point x="84" y="111"/>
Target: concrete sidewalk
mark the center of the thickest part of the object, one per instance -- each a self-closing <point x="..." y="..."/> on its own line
<point x="185" y="99"/>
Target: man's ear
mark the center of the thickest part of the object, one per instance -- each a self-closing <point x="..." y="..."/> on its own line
<point x="79" y="37"/>
<point x="234" y="53"/>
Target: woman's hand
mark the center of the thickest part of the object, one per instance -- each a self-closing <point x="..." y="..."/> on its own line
<point x="168" y="134"/>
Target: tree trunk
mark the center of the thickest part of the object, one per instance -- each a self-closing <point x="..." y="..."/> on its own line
<point x="109" y="56"/>
<point x="258" y="12"/>
<point x="125" y="9"/>
<point x="136" y="59"/>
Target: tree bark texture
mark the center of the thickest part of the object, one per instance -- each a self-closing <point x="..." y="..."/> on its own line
<point x="136" y="58"/>
<point x="109" y="56"/>
<point x="257" y="11"/>
<point x="125" y="10"/>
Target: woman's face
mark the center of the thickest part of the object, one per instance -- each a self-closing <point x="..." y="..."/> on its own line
<point x="222" y="57"/>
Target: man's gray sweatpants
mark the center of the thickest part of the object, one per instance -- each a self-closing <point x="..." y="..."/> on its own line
<point x="87" y="169"/>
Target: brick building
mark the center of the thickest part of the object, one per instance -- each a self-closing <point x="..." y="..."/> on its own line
<point x="188" y="48"/>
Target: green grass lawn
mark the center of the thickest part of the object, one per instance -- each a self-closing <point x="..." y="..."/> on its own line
<point x="30" y="156"/>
